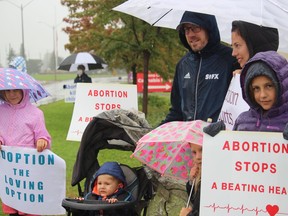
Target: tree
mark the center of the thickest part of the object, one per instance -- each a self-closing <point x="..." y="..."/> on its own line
<point x="122" y="40"/>
<point x="11" y="54"/>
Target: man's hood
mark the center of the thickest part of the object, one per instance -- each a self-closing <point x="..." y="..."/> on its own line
<point x="206" y="21"/>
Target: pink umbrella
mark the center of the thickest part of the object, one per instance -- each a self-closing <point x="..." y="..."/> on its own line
<point x="166" y="149"/>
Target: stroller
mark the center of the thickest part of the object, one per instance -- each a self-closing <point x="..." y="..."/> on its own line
<point x="115" y="129"/>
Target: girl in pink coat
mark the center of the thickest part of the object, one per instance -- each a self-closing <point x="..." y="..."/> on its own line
<point x="21" y="124"/>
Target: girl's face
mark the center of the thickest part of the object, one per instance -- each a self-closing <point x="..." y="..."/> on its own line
<point x="106" y="185"/>
<point x="13" y="96"/>
<point x="264" y="92"/>
<point x="196" y="153"/>
<point x="240" y="49"/>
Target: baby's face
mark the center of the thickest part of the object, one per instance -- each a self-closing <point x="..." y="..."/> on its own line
<point x="106" y="185"/>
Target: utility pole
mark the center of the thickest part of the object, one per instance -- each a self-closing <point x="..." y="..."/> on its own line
<point x="21" y="7"/>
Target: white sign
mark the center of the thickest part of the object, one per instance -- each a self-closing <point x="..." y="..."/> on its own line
<point x="244" y="173"/>
<point x="234" y="103"/>
<point x="70" y="93"/>
<point x="95" y="98"/>
<point x="32" y="182"/>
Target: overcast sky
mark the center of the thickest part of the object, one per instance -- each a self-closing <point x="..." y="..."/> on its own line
<point x="39" y="17"/>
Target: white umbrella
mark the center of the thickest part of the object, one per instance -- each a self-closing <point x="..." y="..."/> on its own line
<point x="168" y="13"/>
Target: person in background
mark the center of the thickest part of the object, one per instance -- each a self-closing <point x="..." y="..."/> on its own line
<point x="203" y="75"/>
<point x="21" y="124"/>
<point x="82" y="77"/>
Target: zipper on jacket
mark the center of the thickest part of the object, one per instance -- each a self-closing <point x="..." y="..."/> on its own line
<point x="258" y="122"/>
<point x="259" y="119"/>
<point x="196" y="88"/>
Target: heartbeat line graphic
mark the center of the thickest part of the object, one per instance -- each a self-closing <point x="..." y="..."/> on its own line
<point x="272" y="210"/>
<point x="77" y="132"/>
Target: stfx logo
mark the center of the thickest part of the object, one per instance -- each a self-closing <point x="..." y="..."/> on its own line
<point x="211" y="76"/>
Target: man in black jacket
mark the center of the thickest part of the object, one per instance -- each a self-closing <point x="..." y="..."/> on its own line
<point x="203" y="75"/>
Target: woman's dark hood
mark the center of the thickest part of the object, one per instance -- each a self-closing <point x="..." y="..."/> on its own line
<point x="258" y="38"/>
<point x="206" y="21"/>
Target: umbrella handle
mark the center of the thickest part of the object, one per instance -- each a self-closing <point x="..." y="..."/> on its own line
<point x="192" y="186"/>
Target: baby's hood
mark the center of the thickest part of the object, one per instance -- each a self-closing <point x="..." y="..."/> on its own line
<point x="113" y="169"/>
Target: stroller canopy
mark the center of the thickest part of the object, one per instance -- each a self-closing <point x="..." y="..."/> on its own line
<point x="114" y="129"/>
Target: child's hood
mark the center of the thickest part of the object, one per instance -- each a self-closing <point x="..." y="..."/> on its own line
<point x="278" y="64"/>
<point x="24" y="101"/>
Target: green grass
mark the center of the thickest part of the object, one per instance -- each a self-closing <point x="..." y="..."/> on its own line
<point x="58" y="116"/>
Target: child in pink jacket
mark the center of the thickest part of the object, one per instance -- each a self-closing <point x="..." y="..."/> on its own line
<point x="21" y="124"/>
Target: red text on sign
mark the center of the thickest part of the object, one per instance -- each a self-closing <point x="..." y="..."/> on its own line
<point x="255" y="167"/>
<point x="103" y="106"/>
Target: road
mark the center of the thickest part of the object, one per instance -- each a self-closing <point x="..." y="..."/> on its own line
<point x="57" y="92"/>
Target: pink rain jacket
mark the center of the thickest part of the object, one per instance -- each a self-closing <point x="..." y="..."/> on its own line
<point x="22" y="124"/>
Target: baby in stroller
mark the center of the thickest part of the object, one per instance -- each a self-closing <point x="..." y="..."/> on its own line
<point x="109" y="184"/>
<point x="117" y="130"/>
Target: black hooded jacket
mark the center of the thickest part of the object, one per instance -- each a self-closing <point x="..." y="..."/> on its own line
<point x="201" y="79"/>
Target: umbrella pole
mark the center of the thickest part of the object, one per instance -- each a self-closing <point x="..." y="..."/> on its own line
<point x="192" y="186"/>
